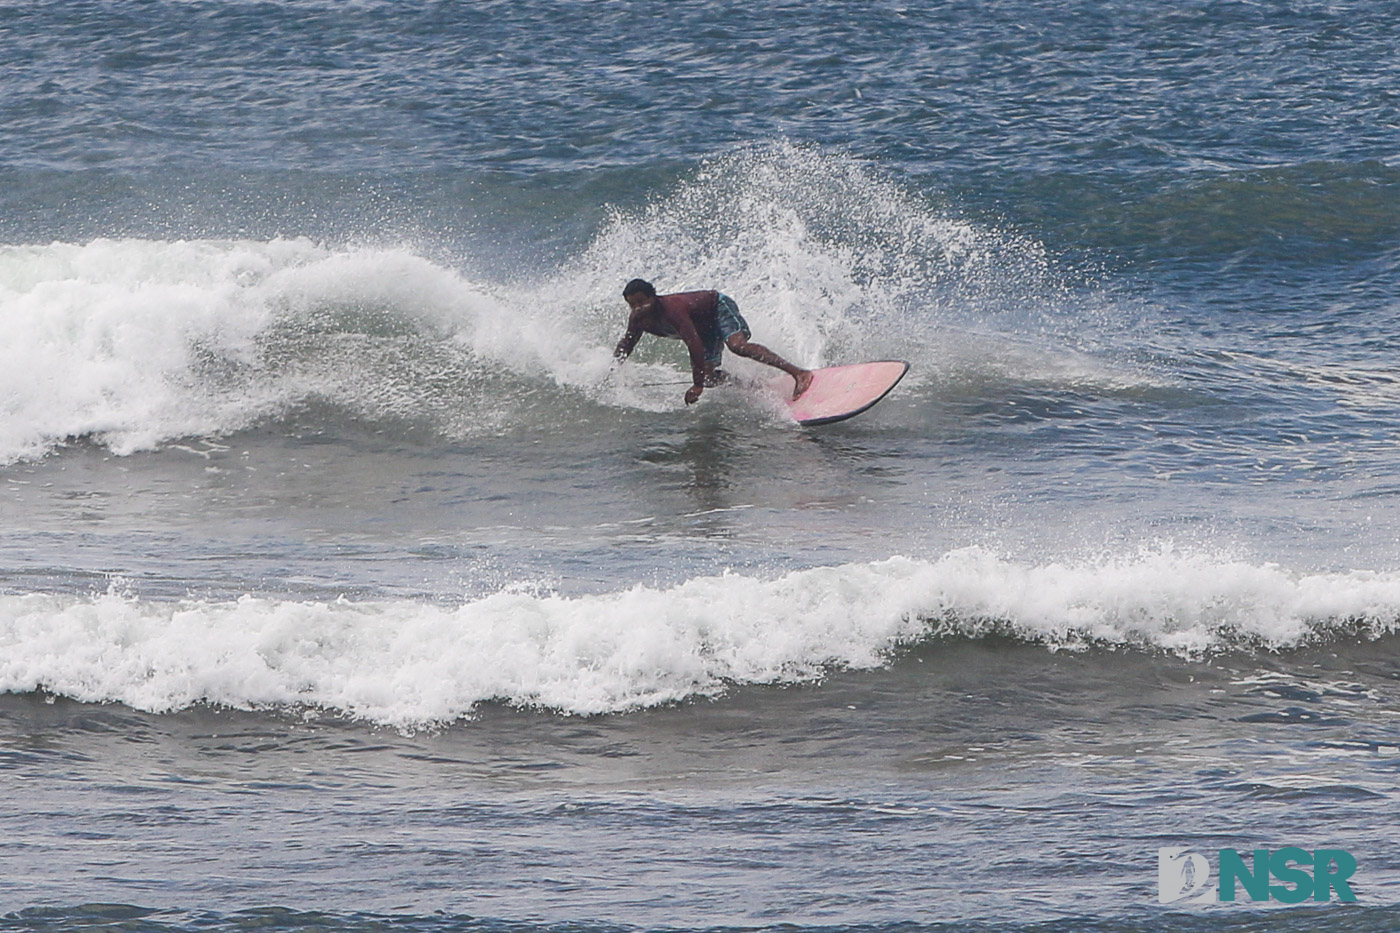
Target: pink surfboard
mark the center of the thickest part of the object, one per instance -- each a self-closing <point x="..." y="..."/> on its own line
<point x="841" y="392"/>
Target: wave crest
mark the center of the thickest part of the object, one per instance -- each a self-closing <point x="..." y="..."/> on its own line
<point x="408" y="664"/>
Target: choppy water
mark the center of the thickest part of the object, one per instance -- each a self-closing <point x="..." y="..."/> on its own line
<point x="344" y="587"/>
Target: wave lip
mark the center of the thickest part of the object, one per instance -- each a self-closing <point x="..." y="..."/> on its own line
<point x="407" y="664"/>
<point x="134" y="343"/>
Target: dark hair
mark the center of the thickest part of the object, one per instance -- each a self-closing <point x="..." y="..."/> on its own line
<point x="638" y="285"/>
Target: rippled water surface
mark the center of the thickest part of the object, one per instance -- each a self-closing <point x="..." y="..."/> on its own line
<point x="346" y="585"/>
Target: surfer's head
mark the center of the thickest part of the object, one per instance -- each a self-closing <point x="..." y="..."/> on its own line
<point x="638" y="293"/>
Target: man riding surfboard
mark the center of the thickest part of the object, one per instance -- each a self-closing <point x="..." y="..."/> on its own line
<point x="706" y="322"/>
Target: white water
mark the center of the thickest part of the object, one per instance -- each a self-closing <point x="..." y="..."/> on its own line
<point x="407" y="664"/>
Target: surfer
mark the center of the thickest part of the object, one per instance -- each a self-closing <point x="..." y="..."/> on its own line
<point x="707" y="322"/>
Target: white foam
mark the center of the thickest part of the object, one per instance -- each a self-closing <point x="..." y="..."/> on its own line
<point x="407" y="664"/>
<point x="136" y="342"/>
<point x="828" y="260"/>
<point x="832" y="261"/>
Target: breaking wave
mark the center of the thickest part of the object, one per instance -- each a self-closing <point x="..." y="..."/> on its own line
<point x="409" y="664"/>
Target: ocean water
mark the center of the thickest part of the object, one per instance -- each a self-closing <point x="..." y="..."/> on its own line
<point x="345" y="584"/>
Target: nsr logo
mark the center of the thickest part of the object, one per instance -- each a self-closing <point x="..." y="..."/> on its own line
<point x="1183" y="875"/>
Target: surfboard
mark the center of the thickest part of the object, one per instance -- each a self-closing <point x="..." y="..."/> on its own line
<point x="840" y="392"/>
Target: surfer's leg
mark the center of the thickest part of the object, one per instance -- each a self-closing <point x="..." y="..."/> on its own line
<point x="739" y="343"/>
<point x="736" y="336"/>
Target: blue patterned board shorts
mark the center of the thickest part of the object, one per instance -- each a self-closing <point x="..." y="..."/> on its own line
<point x="728" y="322"/>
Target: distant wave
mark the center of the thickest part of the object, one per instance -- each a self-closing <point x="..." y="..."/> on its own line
<point x="1312" y="213"/>
<point x="409" y="664"/>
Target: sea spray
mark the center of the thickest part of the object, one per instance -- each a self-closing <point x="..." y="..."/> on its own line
<point x="828" y="257"/>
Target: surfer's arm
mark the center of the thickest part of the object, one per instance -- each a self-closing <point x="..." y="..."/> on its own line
<point x="627" y="343"/>
<point x="685" y="329"/>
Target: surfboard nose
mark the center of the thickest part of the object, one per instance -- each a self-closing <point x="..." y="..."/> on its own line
<point x="841" y="392"/>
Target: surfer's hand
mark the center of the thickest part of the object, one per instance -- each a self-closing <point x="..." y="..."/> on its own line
<point x="692" y="394"/>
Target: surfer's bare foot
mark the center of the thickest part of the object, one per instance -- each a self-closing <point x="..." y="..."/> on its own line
<point x="802" y="382"/>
